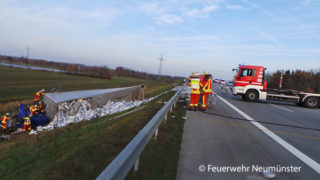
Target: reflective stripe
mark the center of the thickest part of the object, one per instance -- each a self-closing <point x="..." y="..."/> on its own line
<point x="242" y="81"/>
<point x="27" y="121"/>
<point x="204" y="103"/>
<point x="195" y="91"/>
<point x="208" y="86"/>
<point x="4" y="119"/>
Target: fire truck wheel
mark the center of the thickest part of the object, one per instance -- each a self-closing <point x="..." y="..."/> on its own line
<point x="251" y="95"/>
<point x="311" y="102"/>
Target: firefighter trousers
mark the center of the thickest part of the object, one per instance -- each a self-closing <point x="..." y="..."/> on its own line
<point x="194" y="100"/>
<point x="204" y="100"/>
<point x="25" y="127"/>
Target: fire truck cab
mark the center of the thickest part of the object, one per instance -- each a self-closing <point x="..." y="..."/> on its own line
<point x="249" y="82"/>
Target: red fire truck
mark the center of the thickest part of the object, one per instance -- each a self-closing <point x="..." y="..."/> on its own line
<point x="249" y="82"/>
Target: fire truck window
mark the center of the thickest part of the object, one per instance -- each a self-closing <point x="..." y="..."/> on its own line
<point x="248" y="72"/>
<point x="254" y="72"/>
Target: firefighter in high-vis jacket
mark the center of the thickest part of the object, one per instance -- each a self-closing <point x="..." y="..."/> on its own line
<point x="4" y="121"/>
<point x="26" y="124"/>
<point x="195" y="91"/>
<point x="38" y="95"/>
<point x="206" y="90"/>
<point x="33" y="110"/>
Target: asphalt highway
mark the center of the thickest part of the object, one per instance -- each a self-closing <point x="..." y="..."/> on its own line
<point x="243" y="140"/>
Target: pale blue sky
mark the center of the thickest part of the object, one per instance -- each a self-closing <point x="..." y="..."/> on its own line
<point x="193" y="35"/>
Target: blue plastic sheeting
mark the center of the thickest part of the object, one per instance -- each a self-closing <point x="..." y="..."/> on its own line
<point x="36" y="120"/>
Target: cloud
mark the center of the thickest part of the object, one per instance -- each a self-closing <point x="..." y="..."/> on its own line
<point x="234" y="7"/>
<point x="266" y="36"/>
<point x="264" y="11"/>
<point x="204" y="12"/>
<point x="178" y="11"/>
<point x="150" y="7"/>
<point x="169" y="19"/>
<point x="189" y="38"/>
<point x="57" y="19"/>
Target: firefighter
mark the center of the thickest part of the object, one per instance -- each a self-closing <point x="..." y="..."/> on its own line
<point x="4" y="121"/>
<point x="195" y="91"/>
<point x="38" y="95"/>
<point x="26" y="124"/>
<point x="33" y="110"/>
<point x="207" y="89"/>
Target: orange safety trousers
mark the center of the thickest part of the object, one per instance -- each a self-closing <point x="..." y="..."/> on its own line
<point x="194" y="100"/>
<point x="26" y="126"/>
<point x="4" y="125"/>
<point x="204" y="100"/>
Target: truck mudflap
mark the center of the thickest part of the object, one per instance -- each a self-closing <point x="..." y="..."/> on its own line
<point x="263" y="95"/>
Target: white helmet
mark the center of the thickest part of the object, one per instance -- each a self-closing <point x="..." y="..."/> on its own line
<point x="7" y="114"/>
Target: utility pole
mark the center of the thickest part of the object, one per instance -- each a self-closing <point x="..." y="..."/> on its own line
<point x="28" y="49"/>
<point x="160" y="67"/>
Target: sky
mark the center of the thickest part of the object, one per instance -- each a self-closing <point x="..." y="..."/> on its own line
<point x="192" y="35"/>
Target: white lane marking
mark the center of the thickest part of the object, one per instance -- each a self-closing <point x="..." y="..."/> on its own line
<point x="304" y="158"/>
<point x="281" y="107"/>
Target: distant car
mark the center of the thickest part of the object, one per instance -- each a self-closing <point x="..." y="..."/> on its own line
<point x="222" y="82"/>
<point x="230" y="83"/>
<point x="216" y="80"/>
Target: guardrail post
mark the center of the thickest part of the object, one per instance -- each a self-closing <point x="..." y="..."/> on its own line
<point x="171" y="109"/>
<point x="156" y="134"/>
<point x="166" y="117"/>
<point x="136" y="165"/>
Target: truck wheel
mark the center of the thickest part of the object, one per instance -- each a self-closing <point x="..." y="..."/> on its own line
<point x="251" y="95"/>
<point x="311" y="102"/>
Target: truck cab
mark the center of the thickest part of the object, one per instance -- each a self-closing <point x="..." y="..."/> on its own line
<point x="249" y="82"/>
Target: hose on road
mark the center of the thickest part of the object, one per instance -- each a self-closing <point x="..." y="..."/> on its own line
<point x="264" y="122"/>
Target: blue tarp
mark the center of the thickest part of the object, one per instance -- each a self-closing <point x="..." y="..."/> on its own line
<point x="36" y="120"/>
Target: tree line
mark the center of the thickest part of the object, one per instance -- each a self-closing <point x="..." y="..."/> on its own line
<point x="92" y="71"/>
<point x="307" y="81"/>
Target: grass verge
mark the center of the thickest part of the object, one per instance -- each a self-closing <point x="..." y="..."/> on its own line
<point x="21" y="85"/>
<point x="160" y="158"/>
<point x="77" y="151"/>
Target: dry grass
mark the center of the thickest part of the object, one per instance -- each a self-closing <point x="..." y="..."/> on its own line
<point x="81" y="151"/>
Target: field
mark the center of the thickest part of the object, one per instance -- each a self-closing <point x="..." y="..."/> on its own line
<point x="82" y="150"/>
<point x="21" y="84"/>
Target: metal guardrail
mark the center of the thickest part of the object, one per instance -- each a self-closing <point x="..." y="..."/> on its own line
<point x="130" y="155"/>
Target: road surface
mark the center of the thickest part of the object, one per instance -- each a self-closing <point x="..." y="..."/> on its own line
<point x="222" y="139"/>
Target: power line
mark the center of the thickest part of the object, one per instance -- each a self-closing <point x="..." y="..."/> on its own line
<point x="160" y="67"/>
<point x="28" y="49"/>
